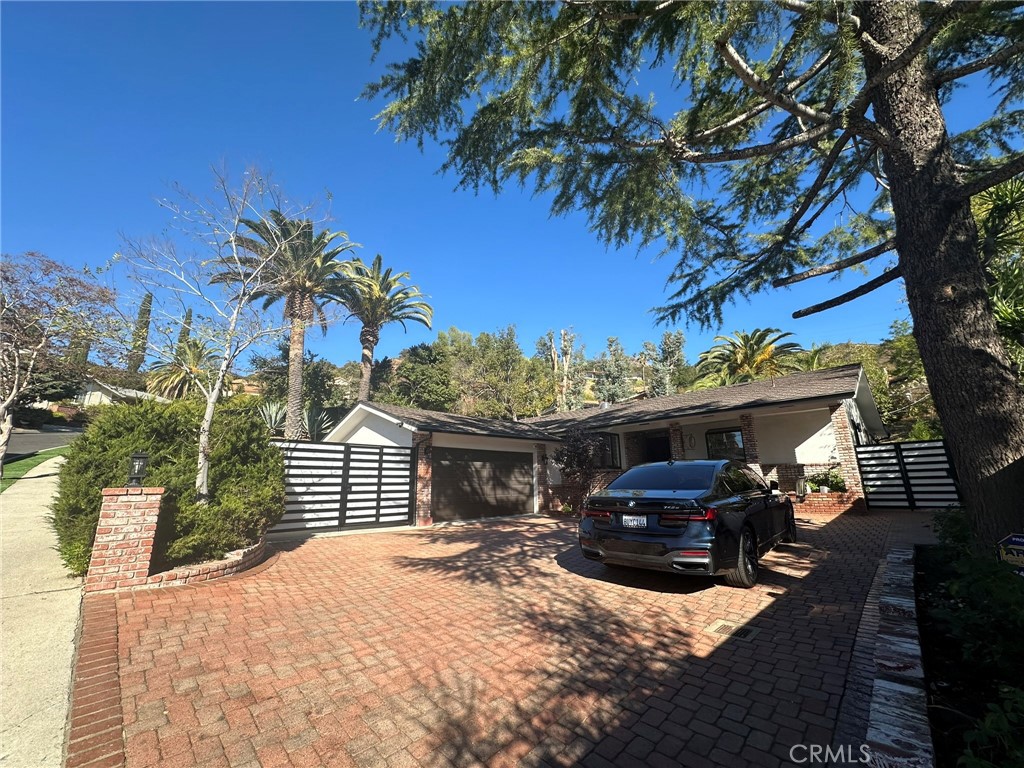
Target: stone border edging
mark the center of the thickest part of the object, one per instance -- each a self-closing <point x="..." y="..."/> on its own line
<point x="899" y="733"/>
<point x="95" y="720"/>
<point x="233" y="562"/>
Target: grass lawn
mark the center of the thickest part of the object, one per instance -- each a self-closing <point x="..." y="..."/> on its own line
<point x="17" y="469"/>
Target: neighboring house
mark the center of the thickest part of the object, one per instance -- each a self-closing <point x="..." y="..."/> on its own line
<point x="95" y="392"/>
<point x="787" y="428"/>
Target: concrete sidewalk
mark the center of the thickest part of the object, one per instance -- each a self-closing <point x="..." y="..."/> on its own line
<point x="39" y="613"/>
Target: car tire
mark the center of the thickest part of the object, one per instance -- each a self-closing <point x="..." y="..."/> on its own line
<point x="789" y="536"/>
<point x="744" y="575"/>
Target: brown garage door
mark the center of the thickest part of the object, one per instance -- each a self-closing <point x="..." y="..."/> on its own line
<point x="471" y="484"/>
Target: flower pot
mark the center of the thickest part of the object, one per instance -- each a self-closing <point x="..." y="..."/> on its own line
<point x="823" y="489"/>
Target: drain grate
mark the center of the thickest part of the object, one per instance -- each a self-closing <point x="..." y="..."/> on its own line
<point x="722" y="627"/>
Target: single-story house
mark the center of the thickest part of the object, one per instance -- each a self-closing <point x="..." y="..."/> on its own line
<point x="470" y="467"/>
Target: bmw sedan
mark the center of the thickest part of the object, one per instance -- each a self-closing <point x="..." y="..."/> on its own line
<point x="697" y="518"/>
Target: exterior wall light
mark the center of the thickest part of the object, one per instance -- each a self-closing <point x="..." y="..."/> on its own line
<point x="138" y="462"/>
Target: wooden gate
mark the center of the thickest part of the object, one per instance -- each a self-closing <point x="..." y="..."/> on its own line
<point x="913" y="475"/>
<point x="329" y="486"/>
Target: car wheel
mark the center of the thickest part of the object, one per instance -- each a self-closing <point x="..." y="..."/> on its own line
<point x="744" y="575"/>
<point x="789" y="536"/>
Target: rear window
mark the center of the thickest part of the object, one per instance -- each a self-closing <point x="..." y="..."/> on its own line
<point x="666" y="477"/>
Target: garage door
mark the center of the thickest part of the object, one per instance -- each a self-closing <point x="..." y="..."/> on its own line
<point x="470" y="484"/>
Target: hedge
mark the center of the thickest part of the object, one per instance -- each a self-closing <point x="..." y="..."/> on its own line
<point x="246" y="479"/>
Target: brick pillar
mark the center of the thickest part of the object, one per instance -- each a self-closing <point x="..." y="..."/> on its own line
<point x="634" y="449"/>
<point x="677" y="445"/>
<point x="423" y="444"/>
<point x="124" y="538"/>
<point x="750" y="450"/>
<point x="846" y="452"/>
<point x="540" y="465"/>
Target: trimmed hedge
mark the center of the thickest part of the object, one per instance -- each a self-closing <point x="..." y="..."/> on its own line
<point x="246" y="479"/>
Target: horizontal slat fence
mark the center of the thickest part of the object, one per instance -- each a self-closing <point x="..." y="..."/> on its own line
<point x="913" y="475"/>
<point x="329" y="486"/>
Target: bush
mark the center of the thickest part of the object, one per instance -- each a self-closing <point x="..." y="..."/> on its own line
<point x="972" y="611"/>
<point x="29" y="417"/>
<point x="830" y="478"/>
<point x="246" y="479"/>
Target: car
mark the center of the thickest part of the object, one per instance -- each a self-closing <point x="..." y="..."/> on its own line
<point x="695" y="518"/>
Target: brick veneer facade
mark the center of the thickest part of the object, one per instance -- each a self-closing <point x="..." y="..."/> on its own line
<point x="422" y="443"/>
<point x="545" y="498"/>
<point x="846" y="450"/>
<point x="123" y="545"/>
<point x="677" y="446"/>
<point x="749" y="435"/>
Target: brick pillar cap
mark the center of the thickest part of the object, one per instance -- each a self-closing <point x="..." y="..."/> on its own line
<point x="134" y="490"/>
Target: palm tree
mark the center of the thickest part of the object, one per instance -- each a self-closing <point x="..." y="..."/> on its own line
<point x="754" y="355"/>
<point x="376" y="297"/>
<point x="813" y="359"/>
<point x="190" y="366"/>
<point x="304" y="270"/>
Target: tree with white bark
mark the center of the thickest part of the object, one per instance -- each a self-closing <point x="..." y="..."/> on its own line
<point x="208" y="268"/>
<point x="47" y="310"/>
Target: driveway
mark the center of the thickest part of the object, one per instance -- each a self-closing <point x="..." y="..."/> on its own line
<point x="495" y="644"/>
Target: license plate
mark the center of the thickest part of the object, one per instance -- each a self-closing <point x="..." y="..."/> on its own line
<point x="634" y="521"/>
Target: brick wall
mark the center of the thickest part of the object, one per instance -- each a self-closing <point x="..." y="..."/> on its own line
<point x="123" y="545"/>
<point x="540" y="466"/>
<point x="845" y="450"/>
<point x="633" y="442"/>
<point x="423" y="444"/>
<point x="830" y="503"/>
<point x="677" y="445"/>
<point x="750" y="449"/>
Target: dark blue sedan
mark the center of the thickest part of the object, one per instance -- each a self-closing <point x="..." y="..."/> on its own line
<point x="697" y="518"/>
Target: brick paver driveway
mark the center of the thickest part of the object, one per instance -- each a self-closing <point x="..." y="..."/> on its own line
<point x="495" y="644"/>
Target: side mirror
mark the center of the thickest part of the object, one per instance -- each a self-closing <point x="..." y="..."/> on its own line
<point x="773" y="485"/>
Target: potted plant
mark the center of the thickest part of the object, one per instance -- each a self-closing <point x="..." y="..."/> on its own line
<point x="826" y="481"/>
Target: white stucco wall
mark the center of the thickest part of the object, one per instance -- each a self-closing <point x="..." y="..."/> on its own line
<point x="796" y="438"/>
<point x="374" y="430"/>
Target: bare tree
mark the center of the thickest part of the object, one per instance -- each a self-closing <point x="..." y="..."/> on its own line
<point x="46" y="310"/>
<point x="217" y="278"/>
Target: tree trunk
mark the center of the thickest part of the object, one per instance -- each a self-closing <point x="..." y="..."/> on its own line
<point x="976" y="394"/>
<point x="368" y="337"/>
<point x="6" y="428"/>
<point x="203" y="464"/>
<point x="296" y="348"/>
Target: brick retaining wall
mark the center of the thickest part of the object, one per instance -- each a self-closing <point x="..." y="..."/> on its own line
<point x="123" y="547"/>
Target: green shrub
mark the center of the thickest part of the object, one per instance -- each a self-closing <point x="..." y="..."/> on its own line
<point x="830" y="478"/>
<point x="246" y="479"/>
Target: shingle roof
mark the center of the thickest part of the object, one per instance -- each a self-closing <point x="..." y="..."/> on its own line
<point x="838" y="383"/>
<point x="436" y="421"/>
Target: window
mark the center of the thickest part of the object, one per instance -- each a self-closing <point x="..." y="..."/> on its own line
<point x="609" y="458"/>
<point x="725" y="444"/>
<point x="737" y="480"/>
<point x="678" y="476"/>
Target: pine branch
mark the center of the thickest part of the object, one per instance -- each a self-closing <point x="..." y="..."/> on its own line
<point x="750" y="78"/>
<point x="996" y="57"/>
<point x="1004" y="172"/>
<point x="886" y="277"/>
<point x="835" y="266"/>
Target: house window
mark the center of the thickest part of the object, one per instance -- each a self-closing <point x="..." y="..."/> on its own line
<point x="725" y="444"/>
<point x="609" y="458"/>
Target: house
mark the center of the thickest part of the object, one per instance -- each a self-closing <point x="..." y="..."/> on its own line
<point x="787" y="428"/>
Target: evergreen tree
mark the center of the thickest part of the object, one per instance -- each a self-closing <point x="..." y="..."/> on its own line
<point x="140" y="338"/>
<point x="612" y="382"/>
<point x="730" y="132"/>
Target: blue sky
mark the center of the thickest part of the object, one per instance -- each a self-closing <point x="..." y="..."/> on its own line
<point x="105" y="104"/>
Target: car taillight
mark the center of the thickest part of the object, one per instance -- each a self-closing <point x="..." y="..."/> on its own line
<point x="703" y="515"/>
<point x="597" y="514"/>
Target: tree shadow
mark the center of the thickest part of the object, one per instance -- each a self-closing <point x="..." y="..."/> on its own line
<point x="624" y="666"/>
